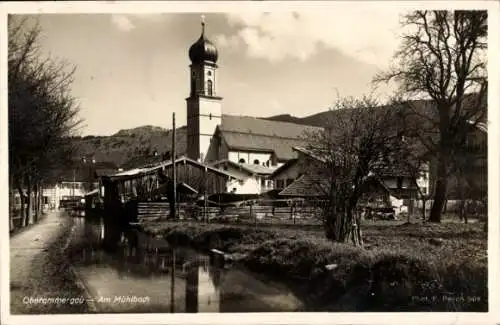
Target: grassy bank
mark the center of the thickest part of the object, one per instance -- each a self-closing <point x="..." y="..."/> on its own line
<point x="405" y="267"/>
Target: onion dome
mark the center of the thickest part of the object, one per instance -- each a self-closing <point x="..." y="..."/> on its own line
<point x="203" y="50"/>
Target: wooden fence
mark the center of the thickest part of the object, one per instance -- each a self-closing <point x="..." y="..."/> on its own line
<point x="244" y="213"/>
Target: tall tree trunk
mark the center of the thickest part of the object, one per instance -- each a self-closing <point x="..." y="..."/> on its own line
<point x="22" y="211"/>
<point x="424" y="207"/>
<point x="35" y="202"/>
<point x="356" y="229"/>
<point x="466" y="217"/>
<point x="29" y="200"/>
<point x="42" y="198"/>
<point x="440" y="189"/>
<point x="461" y="209"/>
<point x="461" y="196"/>
<point x="11" y="202"/>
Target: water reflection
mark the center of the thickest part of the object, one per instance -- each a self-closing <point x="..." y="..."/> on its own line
<point x="116" y="262"/>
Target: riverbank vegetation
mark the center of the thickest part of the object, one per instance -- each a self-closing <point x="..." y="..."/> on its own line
<point x="403" y="267"/>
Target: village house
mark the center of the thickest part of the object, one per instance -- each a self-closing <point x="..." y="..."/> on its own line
<point x="391" y="185"/>
<point x="248" y="178"/>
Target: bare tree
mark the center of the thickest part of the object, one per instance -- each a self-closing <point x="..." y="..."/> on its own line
<point x="443" y="56"/>
<point x="359" y="137"/>
<point x="42" y="111"/>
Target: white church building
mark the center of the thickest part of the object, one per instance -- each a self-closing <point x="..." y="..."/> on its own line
<point x="251" y="148"/>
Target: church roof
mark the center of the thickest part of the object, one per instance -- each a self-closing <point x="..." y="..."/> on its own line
<point x="259" y="126"/>
<point x="251" y="133"/>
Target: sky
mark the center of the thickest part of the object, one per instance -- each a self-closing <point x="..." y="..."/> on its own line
<point x="132" y="70"/>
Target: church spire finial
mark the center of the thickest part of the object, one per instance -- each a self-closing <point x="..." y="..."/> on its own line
<point x="202" y="24"/>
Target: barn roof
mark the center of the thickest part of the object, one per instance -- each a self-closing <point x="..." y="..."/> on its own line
<point x="307" y="185"/>
<point x="139" y="172"/>
<point x="309" y="153"/>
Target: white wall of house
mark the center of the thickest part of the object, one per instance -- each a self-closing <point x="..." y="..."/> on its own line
<point x="423" y="183"/>
<point x="397" y="204"/>
<point x="249" y="185"/>
<point x="246" y="183"/>
<point x="53" y="194"/>
<point x="249" y="157"/>
<point x="56" y="193"/>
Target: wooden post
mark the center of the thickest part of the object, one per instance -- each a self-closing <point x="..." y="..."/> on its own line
<point x="205" y="203"/>
<point x="172" y="284"/>
<point x="251" y="211"/>
<point x="174" y="172"/>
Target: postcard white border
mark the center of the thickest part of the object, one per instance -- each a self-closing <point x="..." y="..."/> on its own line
<point x="138" y="7"/>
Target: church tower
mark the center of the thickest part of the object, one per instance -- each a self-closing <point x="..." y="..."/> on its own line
<point x="204" y="107"/>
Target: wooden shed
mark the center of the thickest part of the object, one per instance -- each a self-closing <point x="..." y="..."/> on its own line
<point x="151" y="184"/>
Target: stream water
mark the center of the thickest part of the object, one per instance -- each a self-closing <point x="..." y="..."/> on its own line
<point x="125" y="270"/>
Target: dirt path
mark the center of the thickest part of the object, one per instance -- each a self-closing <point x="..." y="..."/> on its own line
<point x="40" y="272"/>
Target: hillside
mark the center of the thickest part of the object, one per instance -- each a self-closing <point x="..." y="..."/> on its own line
<point x="126" y="148"/>
<point x="285" y="118"/>
<point x="314" y="120"/>
<point x="128" y="144"/>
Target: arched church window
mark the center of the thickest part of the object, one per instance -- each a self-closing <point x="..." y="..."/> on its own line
<point x="209" y="73"/>
<point x="241" y="161"/>
<point x="193" y="86"/>
<point x="256" y="161"/>
<point x="209" y="87"/>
